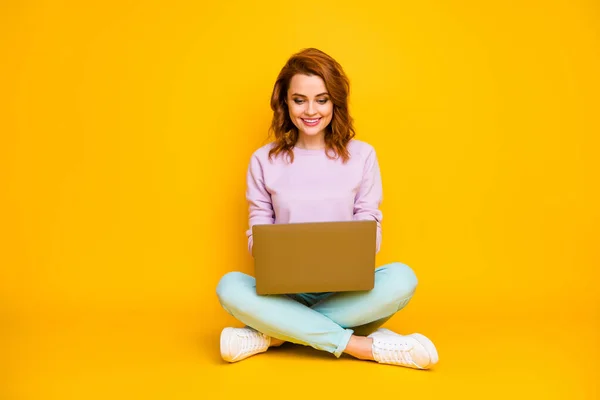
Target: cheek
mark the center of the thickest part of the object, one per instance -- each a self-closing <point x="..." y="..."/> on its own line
<point x="328" y="111"/>
<point x="295" y="111"/>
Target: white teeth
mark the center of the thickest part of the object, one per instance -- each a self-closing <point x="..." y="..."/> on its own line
<point x="310" y="121"/>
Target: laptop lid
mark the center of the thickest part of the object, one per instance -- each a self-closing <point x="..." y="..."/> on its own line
<point x="314" y="257"/>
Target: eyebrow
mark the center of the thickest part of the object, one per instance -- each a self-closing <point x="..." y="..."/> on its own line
<point x="301" y="95"/>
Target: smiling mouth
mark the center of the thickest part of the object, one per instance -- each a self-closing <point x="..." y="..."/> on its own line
<point x="311" y="122"/>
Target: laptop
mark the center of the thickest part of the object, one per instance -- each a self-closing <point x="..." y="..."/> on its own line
<point x="314" y="257"/>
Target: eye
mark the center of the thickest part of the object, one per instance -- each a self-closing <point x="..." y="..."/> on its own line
<point x="322" y="101"/>
<point x="298" y="101"/>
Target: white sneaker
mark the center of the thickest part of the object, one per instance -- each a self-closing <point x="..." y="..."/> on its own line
<point x="414" y="351"/>
<point x="240" y="343"/>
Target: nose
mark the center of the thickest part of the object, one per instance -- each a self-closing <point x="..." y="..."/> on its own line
<point x="310" y="108"/>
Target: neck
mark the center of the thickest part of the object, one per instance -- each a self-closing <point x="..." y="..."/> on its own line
<point x="315" y="142"/>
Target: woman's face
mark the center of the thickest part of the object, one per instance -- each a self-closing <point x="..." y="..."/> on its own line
<point x="309" y="104"/>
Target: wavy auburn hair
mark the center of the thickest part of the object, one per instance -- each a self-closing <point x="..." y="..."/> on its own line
<point x="340" y="131"/>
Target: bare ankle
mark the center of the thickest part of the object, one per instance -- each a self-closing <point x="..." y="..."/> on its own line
<point x="360" y="347"/>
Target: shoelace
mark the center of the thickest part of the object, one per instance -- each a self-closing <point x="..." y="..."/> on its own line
<point x="396" y="352"/>
<point x="251" y="341"/>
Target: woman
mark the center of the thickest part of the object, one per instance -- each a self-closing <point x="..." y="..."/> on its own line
<point x="315" y="171"/>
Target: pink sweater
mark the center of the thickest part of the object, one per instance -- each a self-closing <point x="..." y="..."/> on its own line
<point x="314" y="188"/>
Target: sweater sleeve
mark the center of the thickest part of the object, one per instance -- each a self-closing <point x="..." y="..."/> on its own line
<point x="260" y="207"/>
<point x="370" y="195"/>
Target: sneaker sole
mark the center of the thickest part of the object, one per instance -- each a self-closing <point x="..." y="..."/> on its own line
<point x="429" y="346"/>
<point x="225" y="353"/>
<point x="425" y="342"/>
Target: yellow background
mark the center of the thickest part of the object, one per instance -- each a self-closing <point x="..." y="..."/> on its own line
<point x="126" y="131"/>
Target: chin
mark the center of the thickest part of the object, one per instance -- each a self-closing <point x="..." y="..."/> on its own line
<point x="310" y="133"/>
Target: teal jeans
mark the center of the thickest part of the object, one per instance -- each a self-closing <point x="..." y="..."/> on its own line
<point x="325" y="321"/>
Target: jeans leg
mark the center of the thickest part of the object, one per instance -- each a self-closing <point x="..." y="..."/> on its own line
<point x="280" y="316"/>
<point x="367" y="329"/>
<point x="365" y="311"/>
